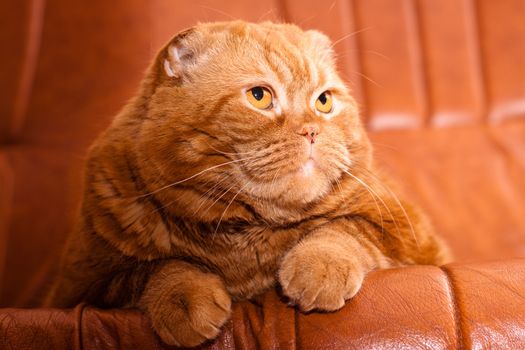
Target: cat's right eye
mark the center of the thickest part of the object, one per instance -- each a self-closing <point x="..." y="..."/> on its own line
<point x="260" y="97"/>
<point x="324" y="102"/>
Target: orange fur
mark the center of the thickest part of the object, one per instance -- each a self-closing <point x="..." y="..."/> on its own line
<point x="194" y="198"/>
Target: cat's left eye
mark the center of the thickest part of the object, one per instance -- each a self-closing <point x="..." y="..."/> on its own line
<point x="260" y="97"/>
<point x="324" y="102"/>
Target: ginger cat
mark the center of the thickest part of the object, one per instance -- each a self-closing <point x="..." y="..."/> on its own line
<point x="240" y="164"/>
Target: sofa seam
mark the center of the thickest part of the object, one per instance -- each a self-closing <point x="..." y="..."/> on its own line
<point x="26" y="82"/>
<point x="296" y="328"/>
<point x="9" y="183"/>
<point x="452" y="291"/>
<point x="80" y="318"/>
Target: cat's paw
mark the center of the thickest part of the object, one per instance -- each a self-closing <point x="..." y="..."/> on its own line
<point x="191" y="313"/>
<point x="319" y="279"/>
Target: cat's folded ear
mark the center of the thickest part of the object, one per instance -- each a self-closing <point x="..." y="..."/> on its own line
<point x="322" y="43"/>
<point x="318" y="39"/>
<point x="181" y="53"/>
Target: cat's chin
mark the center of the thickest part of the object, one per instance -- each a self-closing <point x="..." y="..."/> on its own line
<point x="298" y="188"/>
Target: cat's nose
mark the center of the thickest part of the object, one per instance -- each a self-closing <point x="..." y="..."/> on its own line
<point x="310" y="131"/>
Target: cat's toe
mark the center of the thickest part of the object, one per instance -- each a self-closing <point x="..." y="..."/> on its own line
<point x="193" y="326"/>
<point x="190" y="319"/>
<point x="321" y="284"/>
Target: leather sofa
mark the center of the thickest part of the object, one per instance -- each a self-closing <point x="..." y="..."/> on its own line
<point x="442" y="89"/>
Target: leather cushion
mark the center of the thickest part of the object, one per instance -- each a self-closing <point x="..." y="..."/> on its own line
<point x="421" y="307"/>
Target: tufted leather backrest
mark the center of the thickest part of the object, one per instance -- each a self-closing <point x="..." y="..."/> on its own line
<point x="441" y="84"/>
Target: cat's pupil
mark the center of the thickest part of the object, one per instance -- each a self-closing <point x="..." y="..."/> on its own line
<point x="258" y="93"/>
<point x="322" y="98"/>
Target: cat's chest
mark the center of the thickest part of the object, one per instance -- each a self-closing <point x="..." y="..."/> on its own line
<point x="259" y="246"/>
<point x="252" y="258"/>
<point x="247" y="257"/>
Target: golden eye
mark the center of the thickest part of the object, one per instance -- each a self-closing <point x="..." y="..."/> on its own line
<point x="259" y="97"/>
<point x="324" y="102"/>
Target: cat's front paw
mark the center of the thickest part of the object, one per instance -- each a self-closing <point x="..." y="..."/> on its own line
<point x="316" y="278"/>
<point x="191" y="313"/>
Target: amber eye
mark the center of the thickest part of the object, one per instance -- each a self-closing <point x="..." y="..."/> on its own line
<point x="260" y="97"/>
<point x="324" y="102"/>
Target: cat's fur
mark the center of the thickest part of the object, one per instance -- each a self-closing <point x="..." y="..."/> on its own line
<point x="193" y="198"/>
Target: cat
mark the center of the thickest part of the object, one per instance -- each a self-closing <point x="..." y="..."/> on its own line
<point x="241" y="164"/>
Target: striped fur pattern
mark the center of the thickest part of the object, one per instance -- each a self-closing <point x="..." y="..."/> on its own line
<point x="194" y="198"/>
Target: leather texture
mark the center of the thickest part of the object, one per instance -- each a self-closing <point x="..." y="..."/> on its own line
<point x="441" y="84"/>
<point x="444" y="308"/>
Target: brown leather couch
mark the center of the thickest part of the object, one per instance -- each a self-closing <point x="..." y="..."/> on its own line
<point x="442" y="87"/>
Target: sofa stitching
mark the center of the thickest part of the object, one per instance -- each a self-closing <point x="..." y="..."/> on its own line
<point x="460" y="342"/>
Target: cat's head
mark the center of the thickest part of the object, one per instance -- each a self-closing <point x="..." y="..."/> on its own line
<point x="257" y="108"/>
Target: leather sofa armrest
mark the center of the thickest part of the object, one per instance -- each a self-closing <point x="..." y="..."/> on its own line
<point x="459" y="305"/>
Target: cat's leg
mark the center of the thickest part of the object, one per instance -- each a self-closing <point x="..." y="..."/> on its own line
<point x="93" y="271"/>
<point x="186" y="305"/>
<point x="74" y="280"/>
<point x="328" y="267"/>
<point x="64" y="293"/>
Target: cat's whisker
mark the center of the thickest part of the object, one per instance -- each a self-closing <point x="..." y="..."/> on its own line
<point x="375" y="202"/>
<point x="219" y="12"/>
<point x="384" y="145"/>
<point x="338" y="190"/>
<point x="231" y="153"/>
<point x="331" y="6"/>
<point x="342" y="196"/>
<point x="267" y="13"/>
<point x="406" y="216"/>
<point x="175" y="200"/>
<point x="349" y="35"/>
<point x="205" y="196"/>
<point x="374" y="193"/>
<point x="332" y="188"/>
<point x="353" y="51"/>
<point x="306" y="20"/>
<point x="367" y="78"/>
<point x="228" y="206"/>
<point x="219" y="197"/>
<point x="195" y="175"/>
<point x="398" y="202"/>
<point x="272" y="183"/>
<point x="338" y="183"/>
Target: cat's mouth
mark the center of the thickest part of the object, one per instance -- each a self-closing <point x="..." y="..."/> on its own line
<point x="300" y="176"/>
<point x="303" y="184"/>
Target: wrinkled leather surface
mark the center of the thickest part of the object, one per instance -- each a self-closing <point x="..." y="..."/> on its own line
<point x="442" y="89"/>
<point x="461" y="305"/>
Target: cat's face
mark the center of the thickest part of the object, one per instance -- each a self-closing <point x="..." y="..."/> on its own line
<point x="264" y="98"/>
